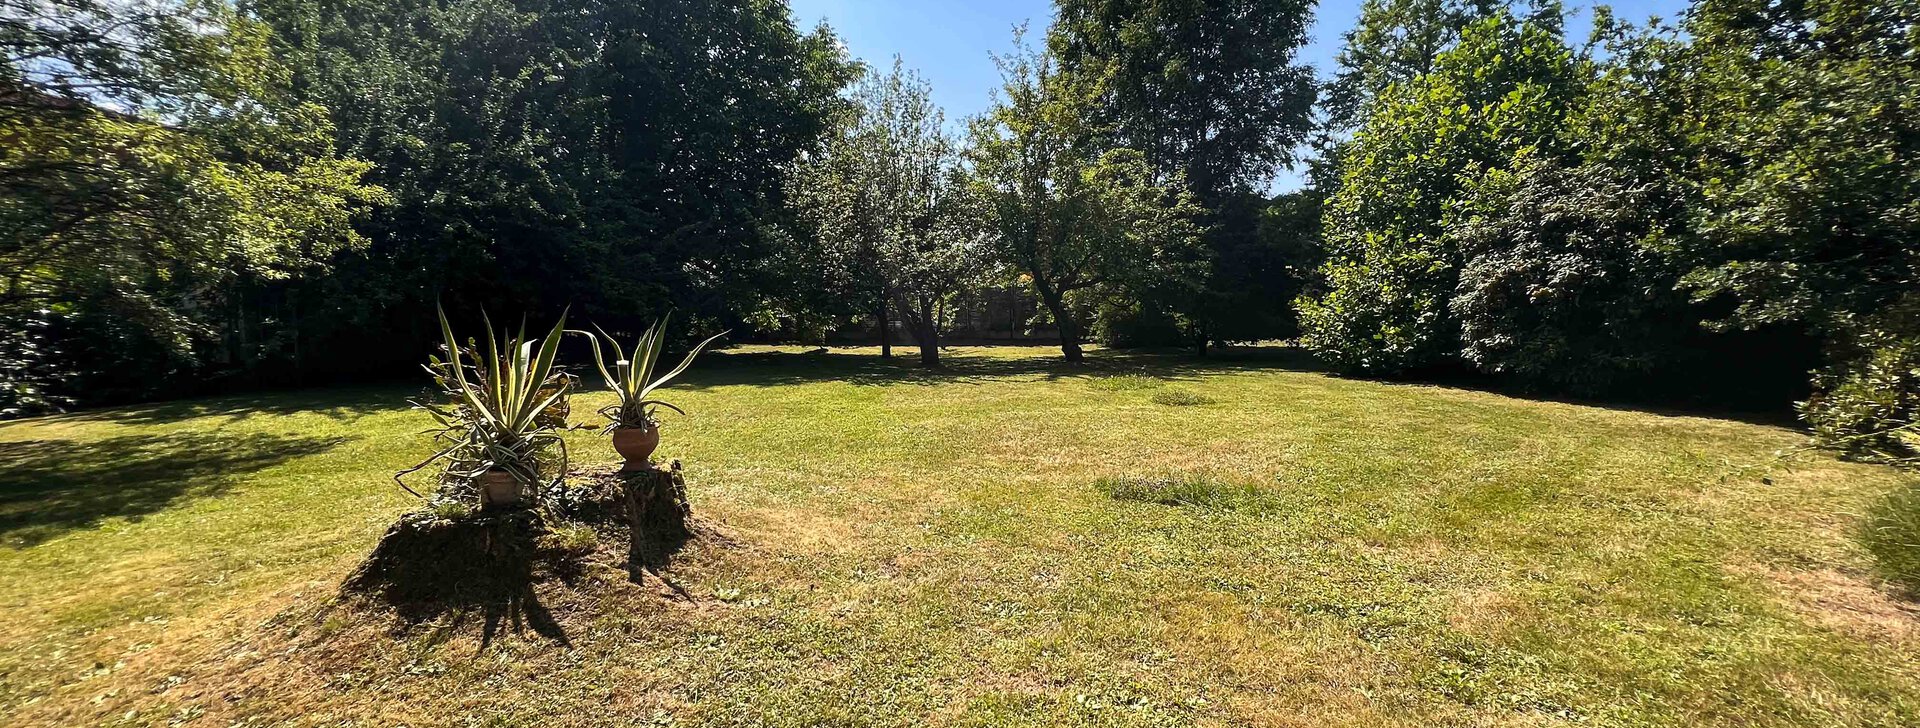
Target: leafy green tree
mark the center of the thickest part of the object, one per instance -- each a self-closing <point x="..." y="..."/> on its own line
<point x="1806" y="121"/>
<point x="1065" y="210"/>
<point x="152" y="158"/>
<point x="888" y="204"/>
<point x="1394" y="42"/>
<point x="1391" y="272"/>
<point x="1563" y="284"/>
<point x="625" y="158"/>
<point x="1211" y="92"/>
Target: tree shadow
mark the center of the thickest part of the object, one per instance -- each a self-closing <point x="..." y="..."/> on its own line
<point x="51" y="487"/>
<point x="336" y="403"/>
<point x="447" y="573"/>
<point x="975" y="365"/>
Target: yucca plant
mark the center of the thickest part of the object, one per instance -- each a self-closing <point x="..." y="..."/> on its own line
<point x="631" y="376"/>
<point x="500" y="416"/>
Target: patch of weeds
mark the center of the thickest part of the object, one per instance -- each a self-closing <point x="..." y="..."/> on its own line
<point x="1892" y="535"/>
<point x="1125" y="382"/>
<point x="1180" y="398"/>
<point x="1190" y="489"/>
<point x="572" y="538"/>
<point x="449" y="509"/>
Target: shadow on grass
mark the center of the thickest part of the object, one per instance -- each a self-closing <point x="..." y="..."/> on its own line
<point x="338" y="403"/>
<point x="976" y="364"/>
<point x="969" y="365"/>
<point x="446" y="573"/>
<point x="50" y="487"/>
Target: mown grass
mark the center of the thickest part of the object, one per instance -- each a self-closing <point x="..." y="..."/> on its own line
<point x="974" y="547"/>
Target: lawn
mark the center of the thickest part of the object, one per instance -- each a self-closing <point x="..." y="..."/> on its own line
<point x="1141" y="541"/>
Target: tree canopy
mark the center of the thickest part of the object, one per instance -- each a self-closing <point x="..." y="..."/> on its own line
<point x="888" y="205"/>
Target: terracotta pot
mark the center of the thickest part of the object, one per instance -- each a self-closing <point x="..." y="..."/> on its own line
<point x="636" y="445"/>
<point x="498" y="488"/>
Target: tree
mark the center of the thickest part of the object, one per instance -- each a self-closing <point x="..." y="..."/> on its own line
<point x="887" y="202"/>
<point x="1805" y="118"/>
<point x="1394" y="42"/>
<point x="1504" y="90"/>
<point x="1210" y="92"/>
<point x="624" y="158"/>
<point x="1065" y="210"/>
<point x="1563" y="284"/>
<point x="152" y="157"/>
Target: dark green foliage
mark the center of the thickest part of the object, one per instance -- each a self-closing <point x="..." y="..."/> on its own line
<point x="29" y="376"/>
<point x="1064" y="210"/>
<point x="1563" y="286"/>
<point x="1394" y="42"/>
<point x="1126" y="322"/>
<point x="154" y="162"/>
<point x="1807" y="121"/>
<point x="1581" y="222"/>
<point x="1210" y="91"/>
<point x="622" y="158"/>
<point x="1391" y="272"/>
<point x="1867" y="400"/>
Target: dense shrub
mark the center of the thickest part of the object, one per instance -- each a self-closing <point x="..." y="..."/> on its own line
<point x="1121" y="323"/>
<point x="1867" y="404"/>
<point x="1391" y="272"/>
<point x="29" y="376"/>
<point x="1562" y="287"/>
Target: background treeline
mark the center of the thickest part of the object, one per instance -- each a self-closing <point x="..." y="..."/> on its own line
<point x="202" y="195"/>
<point x="1674" y="209"/>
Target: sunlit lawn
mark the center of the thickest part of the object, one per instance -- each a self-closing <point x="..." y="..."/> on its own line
<point x="974" y="547"/>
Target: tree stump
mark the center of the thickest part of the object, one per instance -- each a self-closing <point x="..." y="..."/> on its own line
<point x="427" y="562"/>
<point x="427" y="565"/>
<point x="657" y="512"/>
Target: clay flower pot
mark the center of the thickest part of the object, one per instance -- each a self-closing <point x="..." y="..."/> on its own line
<point x="498" y="488"/>
<point x="636" y="445"/>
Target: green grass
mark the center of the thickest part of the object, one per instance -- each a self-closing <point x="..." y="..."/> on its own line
<point x="1893" y="535"/>
<point x="1190" y="489"/>
<point x="1180" y="398"/>
<point x="977" y="547"/>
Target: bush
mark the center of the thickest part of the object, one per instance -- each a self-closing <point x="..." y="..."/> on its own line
<point x="29" y="375"/>
<point x="1868" y="404"/>
<point x="1562" y="287"/>
<point x="1123" y="324"/>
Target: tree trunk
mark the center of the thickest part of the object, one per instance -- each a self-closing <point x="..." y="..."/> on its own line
<point x="1069" y="329"/>
<point x="886" y="335"/>
<point x="929" y="334"/>
<point x="1200" y="344"/>
<point x="921" y="320"/>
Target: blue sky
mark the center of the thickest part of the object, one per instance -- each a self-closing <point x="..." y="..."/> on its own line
<point x="949" y="42"/>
